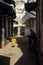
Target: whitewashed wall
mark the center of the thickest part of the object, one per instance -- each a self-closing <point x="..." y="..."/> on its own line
<point x="31" y="1"/>
<point x="27" y="31"/>
<point x="27" y="28"/>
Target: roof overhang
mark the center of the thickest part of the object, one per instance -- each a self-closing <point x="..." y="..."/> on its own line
<point x="9" y="1"/>
<point x="7" y="11"/>
<point x="31" y="6"/>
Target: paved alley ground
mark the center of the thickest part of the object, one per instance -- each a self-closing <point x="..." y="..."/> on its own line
<point x="20" y="54"/>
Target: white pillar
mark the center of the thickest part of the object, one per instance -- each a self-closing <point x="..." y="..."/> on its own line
<point x="18" y="33"/>
<point x="2" y="37"/>
<point x="2" y="33"/>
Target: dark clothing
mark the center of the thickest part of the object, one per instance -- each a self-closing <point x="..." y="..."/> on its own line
<point x="33" y="41"/>
<point x="33" y="47"/>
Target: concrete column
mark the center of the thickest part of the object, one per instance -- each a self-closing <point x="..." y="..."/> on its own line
<point x="18" y="33"/>
<point x="2" y="33"/>
<point x="6" y="28"/>
<point x="2" y="37"/>
<point x="10" y="27"/>
<point x="35" y="25"/>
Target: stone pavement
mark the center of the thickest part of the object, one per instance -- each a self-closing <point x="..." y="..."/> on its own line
<point x="13" y="52"/>
<point x="20" y="55"/>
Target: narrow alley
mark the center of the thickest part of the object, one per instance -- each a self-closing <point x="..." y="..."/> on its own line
<point x="20" y="54"/>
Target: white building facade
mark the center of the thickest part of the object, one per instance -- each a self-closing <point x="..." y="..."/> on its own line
<point x="19" y="15"/>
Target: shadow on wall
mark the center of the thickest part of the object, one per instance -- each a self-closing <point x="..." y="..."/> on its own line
<point x="4" y="60"/>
